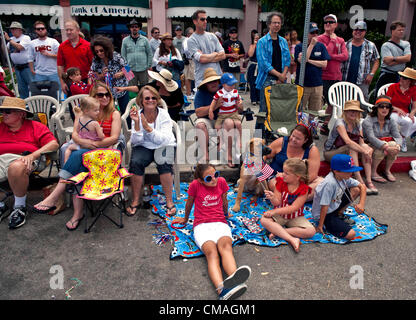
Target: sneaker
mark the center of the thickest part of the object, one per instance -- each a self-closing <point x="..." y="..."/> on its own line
<point x="403" y="147"/>
<point x="238" y="277"/>
<point x="17" y="217"/>
<point x="3" y="211"/>
<point x="232" y="293"/>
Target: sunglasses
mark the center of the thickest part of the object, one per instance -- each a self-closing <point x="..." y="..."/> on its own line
<point x="40" y="29"/>
<point x="330" y="22"/>
<point x="384" y="106"/>
<point x="203" y="19"/>
<point x="360" y="30"/>
<point x="209" y="178"/>
<point x="7" y="111"/>
<point x="150" y="98"/>
<point x="99" y="51"/>
<point x="156" y="32"/>
<point x="102" y="95"/>
<point x="314" y="32"/>
<point x="134" y="27"/>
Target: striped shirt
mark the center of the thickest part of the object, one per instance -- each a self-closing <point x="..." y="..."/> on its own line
<point x="288" y="198"/>
<point x="230" y="100"/>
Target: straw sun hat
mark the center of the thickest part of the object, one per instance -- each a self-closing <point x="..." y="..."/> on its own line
<point x="165" y="77"/>
<point x="408" y="73"/>
<point x="209" y="75"/>
<point x="352" y="105"/>
<point x="14" y="103"/>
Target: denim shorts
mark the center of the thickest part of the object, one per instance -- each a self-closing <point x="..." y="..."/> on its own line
<point x="333" y="223"/>
<point x="141" y="157"/>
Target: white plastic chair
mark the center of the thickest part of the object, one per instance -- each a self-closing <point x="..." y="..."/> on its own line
<point x="341" y="92"/>
<point x="64" y="133"/>
<point x="383" y="89"/>
<point x="176" y="132"/>
<point x="45" y="105"/>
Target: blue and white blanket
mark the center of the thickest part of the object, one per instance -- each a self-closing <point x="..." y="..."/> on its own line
<point x="366" y="228"/>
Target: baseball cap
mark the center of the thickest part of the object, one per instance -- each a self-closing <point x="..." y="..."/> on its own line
<point x="228" y="79"/>
<point x="331" y="16"/>
<point x="313" y="27"/>
<point x="360" y="25"/>
<point x="344" y="163"/>
<point x="232" y="29"/>
<point x="178" y="28"/>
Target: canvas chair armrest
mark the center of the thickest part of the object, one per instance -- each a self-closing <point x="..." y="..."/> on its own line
<point x="124" y="173"/>
<point x="80" y="177"/>
<point x="261" y="115"/>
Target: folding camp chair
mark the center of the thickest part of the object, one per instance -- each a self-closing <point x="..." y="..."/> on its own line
<point x="103" y="182"/>
<point x="45" y="88"/>
<point x="282" y="107"/>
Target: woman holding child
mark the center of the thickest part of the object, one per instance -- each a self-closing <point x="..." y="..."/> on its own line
<point x="110" y="121"/>
<point x="346" y="137"/>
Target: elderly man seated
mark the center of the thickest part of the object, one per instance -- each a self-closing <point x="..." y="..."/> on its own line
<point x="22" y="142"/>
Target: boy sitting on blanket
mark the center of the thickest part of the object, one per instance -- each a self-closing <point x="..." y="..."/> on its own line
<point x="334" y="194"/>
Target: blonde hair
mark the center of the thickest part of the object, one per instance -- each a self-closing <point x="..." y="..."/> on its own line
<point x="139" y="98"/>
<point x="87" y="103"/>
<point x="298" y="167"/>
<point x="356" y="121"/>
<point x="109" y="108"/>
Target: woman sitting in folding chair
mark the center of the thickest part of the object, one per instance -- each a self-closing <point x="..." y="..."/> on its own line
<point x="110" y="121"/>
<point x="152" y="139"/>
<point x="298" y="145"/>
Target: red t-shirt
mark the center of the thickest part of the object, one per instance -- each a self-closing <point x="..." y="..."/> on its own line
<point x="30" y="137"/>
<point x="399" y="99"/>
<point x="81" y="56"/>
<point x="288" y="198"/>
<point x="208" y="201"/>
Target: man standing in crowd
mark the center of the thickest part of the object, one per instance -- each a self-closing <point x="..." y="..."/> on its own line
<point x="189" y="69"/>
<point x="338" y="52"/>
<point x="178" y="39"/>
<point x="136" y="50"/>
<point x="234" y="51"/>
<point x="18" y="136"/>
<point x="363" y="59"/>
<point x="43" y="53"/>
<point x="204" y="47"/>
<point x="395" y="53"/>
<point x="316" y="59"/>
<point x="73" y="52"/>
<point x="155" y="41"/>
<point x="19" y="46"/>
<point x="273" y="58"/>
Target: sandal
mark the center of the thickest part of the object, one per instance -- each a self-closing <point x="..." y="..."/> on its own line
<point x="170" y="209"/>
<point x="379" y="179"/>
<point x="46" y="209"/>
<point x="78" y="222"/>
<point x="133" y="210"/>
<point x="390" y="177"/>
<point x="371" y="189"/>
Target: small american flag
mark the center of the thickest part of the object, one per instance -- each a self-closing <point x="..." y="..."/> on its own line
<point x="265" y="172"/>
<point x="128" y="73"/>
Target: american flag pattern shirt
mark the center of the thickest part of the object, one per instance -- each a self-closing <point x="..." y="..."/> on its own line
<point x="288" y="198"/>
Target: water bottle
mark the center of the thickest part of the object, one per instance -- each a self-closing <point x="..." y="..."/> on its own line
<point x="147" y="194"/>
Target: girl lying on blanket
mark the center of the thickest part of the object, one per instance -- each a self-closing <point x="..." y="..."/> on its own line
<point x="288" y="199"/>
<point x="212" y="234"/>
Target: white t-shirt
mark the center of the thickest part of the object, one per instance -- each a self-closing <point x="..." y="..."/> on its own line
<point x="21" y="57"/>
<point x="44" y="65"/>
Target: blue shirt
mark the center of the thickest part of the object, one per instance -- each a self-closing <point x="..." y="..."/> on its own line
<point x="264" y="52"/>
<point x="204" y="98"/>
<point x="313" y="74"/>
<point x="354" y="64"/>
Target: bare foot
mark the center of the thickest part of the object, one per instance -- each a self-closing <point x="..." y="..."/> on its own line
<point x="295" y="243"/>
<point x="271" y="236"/>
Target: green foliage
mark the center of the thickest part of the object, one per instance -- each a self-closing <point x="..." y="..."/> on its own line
<point x="376" y="37"/>
<point x="8" y="79"/>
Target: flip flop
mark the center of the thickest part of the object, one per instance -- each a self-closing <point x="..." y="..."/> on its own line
<point x="170" y="209"/>
<point x="44" y="211"/>
<point x="132" y="208"/>
<point x="379" y="179"/>
<point x="78" y="222"/>
<point x="390" y="177"/>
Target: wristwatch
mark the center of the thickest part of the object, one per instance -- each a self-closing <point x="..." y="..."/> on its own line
<point x="371" y="74"/>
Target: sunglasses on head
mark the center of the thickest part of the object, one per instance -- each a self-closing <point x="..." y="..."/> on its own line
<point x="40" y="29"/>
<point x="330" y="22"/>
<point x="209" y="178"/>
<point x="150" y="98"/>
<point x="102" y="95"/>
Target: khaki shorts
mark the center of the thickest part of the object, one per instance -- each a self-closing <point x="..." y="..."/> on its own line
<point x="341" y="150"/>
<point x="312" y="97"/>
<point x="208" y="123"/>
<point x="223" y="116"/>
<point x="189" y="70"/>
<point x="300" y="222"/>
<point x="378" y="154"/>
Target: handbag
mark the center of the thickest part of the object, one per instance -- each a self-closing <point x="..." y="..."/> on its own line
<point x="339" y="142"/>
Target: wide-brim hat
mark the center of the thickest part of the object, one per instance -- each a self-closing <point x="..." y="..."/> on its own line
<point x="165" y="36"/>
<point x="165" y="77"/>
<point x="408" y="73"/>
<point x="352" y="105"/>
<point x="209" y="75"/>
<point x="15" y="104"/>
<point x="132" y="22"/>
<point x="16" y="25"/>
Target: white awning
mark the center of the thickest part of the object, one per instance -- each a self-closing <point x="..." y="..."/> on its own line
<point x="369" y="14"/>
<point x="227" y="13"/>
<point x="25" y="9"/>
<point x="104" y="10"/>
